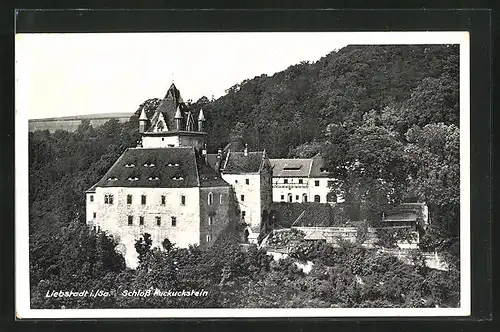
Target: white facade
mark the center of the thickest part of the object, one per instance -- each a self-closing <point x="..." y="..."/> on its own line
<point x="304" y="189"/>
<point x="248" y="194"/>
<point x="115" y="218"/>
<point x="291" y="190"/>
<point x="174" y="141"/>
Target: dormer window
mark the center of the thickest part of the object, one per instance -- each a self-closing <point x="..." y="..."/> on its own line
<point x="173" y="164"/>
<point x="153" y="178"/>
<point x="129" y="165"/>
<point x="292" y="167"/>
<point x="133" y="178"/>
<point x="112" y="178"/>
<point x="149" y="165"/>
<point x="177" y="178"/>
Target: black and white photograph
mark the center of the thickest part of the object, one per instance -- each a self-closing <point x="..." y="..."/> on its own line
<point x="242" y="174"/>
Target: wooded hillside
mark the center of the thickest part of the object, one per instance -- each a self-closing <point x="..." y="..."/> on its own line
<point x="385" y="119"/>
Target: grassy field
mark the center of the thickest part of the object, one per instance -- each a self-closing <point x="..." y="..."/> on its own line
<point x="70" y="123"/>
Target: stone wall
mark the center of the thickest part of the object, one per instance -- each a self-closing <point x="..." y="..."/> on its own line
<point x="218" y="210"/>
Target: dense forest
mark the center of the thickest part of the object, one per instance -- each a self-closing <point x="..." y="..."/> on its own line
<point x="384" y="117"/>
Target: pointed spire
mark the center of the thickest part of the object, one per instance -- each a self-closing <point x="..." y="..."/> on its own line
<point x="143" y="115"/>
<point x="178" y="114"/>
<point x="201" y="116"/>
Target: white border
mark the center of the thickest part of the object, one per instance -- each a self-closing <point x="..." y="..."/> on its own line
<point x="22" y="290"/>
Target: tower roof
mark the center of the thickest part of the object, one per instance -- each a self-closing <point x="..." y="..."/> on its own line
<point x="178" y="114"/>
<point x="171" y="106"/>
<point x="201" y="116"/>
<point x="143" y="115"/>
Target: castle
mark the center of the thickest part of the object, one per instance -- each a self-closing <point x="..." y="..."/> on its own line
<point x="171" y="188"/>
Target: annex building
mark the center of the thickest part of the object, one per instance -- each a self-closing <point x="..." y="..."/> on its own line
<point x="302" y="181"/>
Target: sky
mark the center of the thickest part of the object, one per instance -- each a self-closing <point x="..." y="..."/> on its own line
<point x="74" y="74"/>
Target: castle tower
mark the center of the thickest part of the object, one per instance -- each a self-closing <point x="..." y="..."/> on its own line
<point x="143" y="122"/>
<point x="178" y="118"/>
<point x="172" y="125"/>
<point x="201" y="121"/>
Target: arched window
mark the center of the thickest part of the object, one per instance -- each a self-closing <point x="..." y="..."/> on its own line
<point x="331" y="197"/>
<point x="210" y="198"/>
<point x="316" y="198"/>
<point x="304" y="198"/>
<point x="289" y="198"/>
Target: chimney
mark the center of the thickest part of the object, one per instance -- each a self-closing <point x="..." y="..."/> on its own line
<point x="245" y="151"/>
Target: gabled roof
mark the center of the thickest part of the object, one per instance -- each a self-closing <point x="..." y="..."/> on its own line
<point x="318" y="169"/>
<point x="161" y="168"/>
<point x="168" y="108"/>
<point x="237" y="162"/>
<point x="291" y="167"/>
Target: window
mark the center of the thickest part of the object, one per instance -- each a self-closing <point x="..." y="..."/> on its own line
<point x="158" y="221"/>
<point x="210" y="198"/>
<point x="296" y="197"/>
<point x="174" y="221"/>
<point x="289" y="198"/>
<point x="316" y="198"/>
<point x="243" y="214"/>
<point x="163" y="199"/>
<point x="304" y="198"/>
<point x="210" y="220"/>
<point x="129" y="199"/>
<point x="242" y="198"/>
<point x="282" y="197"/>
<point x="143" y="199"/>
<point x="94" y="215"/>
<point x="91" y="198"/>
<point x="220" y="198"/>
<point x="163" y="139"/>
<point x="247" y="181"/>
<point x="330" y="183"/>
<point x="183" y="200"/>
<point x="108" y="199"/>
<point x="141" y="220"/>
<point x="285" y="181"/>
<point x="316" y="183"/>
<point x="300" y="181"/>
<point x="208" y="238"/>
<point x="130" y="220"/>
<point x="235" y="181"/>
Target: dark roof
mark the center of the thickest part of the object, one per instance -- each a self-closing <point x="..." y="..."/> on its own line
<point x="302" y="214"/>
<point x="212" y="160"/>
<point x="160" y="167"/>
<point x="291" y="167"/>
<point x="168" y="108"/>
<point x="317" y="168"/>
<point x="237" y="162"/>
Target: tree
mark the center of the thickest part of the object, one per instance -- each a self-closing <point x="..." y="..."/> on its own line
<point x="143" y="246"/>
